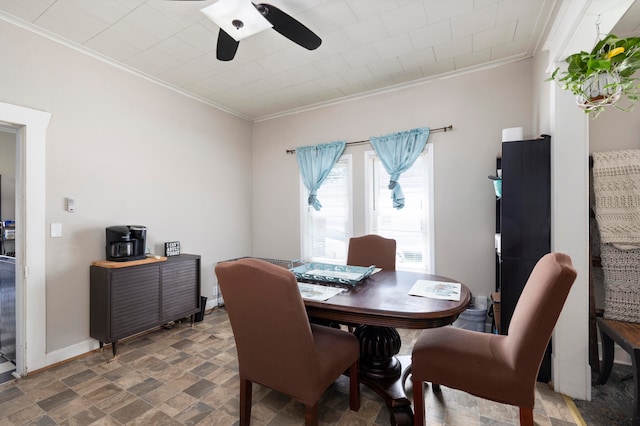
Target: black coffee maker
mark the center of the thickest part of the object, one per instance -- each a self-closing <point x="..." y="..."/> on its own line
<point x="126" y="242"/>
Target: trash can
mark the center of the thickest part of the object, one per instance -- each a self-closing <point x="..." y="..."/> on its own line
<point x="474" y="317"/>
<point x="203" y="304"/>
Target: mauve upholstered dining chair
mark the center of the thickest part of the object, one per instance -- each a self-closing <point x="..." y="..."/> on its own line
<point x="372" y="250"/>
<point x="277" y="346"/>
<point x="501" y="368"/>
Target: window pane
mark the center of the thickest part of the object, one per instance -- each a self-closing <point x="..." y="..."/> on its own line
<point x="327" y="231"/>
<point x="409" y="226"/>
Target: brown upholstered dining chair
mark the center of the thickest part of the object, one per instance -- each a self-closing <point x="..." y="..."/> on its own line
<point x="501" y="368"/>
<point x="372" y="250"/>
<point x="277" y="346"/>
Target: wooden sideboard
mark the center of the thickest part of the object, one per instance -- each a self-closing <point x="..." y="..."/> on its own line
<point x="127" y="298"/>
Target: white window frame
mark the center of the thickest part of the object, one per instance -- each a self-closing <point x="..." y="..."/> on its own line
<point x="305" y="244"/>
<point x="429" y="221"/>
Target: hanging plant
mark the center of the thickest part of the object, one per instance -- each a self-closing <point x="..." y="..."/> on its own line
<point x="604" y="76"/>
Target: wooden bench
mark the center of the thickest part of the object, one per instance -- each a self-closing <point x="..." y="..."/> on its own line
<point x="627" y="335"/>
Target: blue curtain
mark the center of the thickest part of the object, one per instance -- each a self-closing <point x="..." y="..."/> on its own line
<point x="398" y="152"/>
<point x="315" y="163"/>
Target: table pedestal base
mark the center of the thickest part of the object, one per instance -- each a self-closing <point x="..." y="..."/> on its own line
<point x="383" y="372"/>
<point x="393" y="393"/>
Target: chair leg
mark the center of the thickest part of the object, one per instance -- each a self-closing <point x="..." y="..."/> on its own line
<point x="607" y="358"/>
<point x="245" y="402"/>
<point x="418" y="402"/>
<point x="311" y="415"/>
<point x="635" y="361"/>
<point x="526" y="416"/>
<point x="354" y="387"/>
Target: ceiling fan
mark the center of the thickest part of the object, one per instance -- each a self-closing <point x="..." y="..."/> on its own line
<point x="238" y="19"/>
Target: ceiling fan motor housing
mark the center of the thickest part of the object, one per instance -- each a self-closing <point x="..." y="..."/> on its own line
<point x="238" y="19"/>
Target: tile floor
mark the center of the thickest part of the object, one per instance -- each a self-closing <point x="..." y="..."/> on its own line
<point x="6" y="368"/>
<point x="188" y="375"/>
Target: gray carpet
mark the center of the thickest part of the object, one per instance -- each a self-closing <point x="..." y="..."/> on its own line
<point x="612" y="403"/>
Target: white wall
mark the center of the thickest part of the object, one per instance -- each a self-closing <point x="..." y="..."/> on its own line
<point x="569" y="224"/>
<point x="478" y="105"/>
<point x="129" y="152"/>
<point x="614" y="130"/>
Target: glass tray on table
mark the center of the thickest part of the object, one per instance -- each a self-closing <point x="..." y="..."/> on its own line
<point x="328" y="273"/>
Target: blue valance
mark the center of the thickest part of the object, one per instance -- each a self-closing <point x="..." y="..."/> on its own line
<point x="315" y="162"/>
<point x="397" y="152"/>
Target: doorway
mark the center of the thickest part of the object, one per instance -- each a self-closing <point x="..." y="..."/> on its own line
<point x="30" y="128"/>
<point x="8" y="162"/>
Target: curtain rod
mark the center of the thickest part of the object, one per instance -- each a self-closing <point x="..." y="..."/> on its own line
<point x="436" y="130"/>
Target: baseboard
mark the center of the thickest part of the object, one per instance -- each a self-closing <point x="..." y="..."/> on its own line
<point x="620" y="356"/>
<point x="65" y="354"/>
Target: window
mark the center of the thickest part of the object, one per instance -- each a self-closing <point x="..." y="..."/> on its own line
<point x="410" y="226"/>
<point x="325" y="233"/>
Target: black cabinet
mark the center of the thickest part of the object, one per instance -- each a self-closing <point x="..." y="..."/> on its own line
<point x="524" y="222"/>
<point x="130" y="297"/>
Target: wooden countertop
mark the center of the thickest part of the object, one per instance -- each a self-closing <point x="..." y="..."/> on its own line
<point x="111" y="264"/>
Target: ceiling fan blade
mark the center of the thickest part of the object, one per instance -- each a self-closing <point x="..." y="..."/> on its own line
<point x="289" y="27"/>
<point x="227" y="46"/>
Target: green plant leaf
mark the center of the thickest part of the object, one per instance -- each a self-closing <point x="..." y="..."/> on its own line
<point x="599" y="64"/>
<point x="576" y="66"/>
<point x="600" y="45"/>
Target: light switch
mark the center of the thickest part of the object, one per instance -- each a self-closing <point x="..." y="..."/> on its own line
<point x="56" y="230"/>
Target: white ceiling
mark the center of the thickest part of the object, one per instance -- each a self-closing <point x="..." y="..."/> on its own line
<point x="367" y="45"/>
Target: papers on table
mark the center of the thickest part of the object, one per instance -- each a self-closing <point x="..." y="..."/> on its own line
<point x="436" y="289"/>
<point x="318" y="292"/>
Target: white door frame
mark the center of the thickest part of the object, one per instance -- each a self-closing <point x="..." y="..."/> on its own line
<point x="574" y="29"/>
<point x="31" y="315"/>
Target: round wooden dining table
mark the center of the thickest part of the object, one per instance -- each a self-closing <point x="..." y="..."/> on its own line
<point x="376" y="307"/>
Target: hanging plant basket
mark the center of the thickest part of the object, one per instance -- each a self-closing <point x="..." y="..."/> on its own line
<point x="599" y="90"/>
<point x="604" y="76"/>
